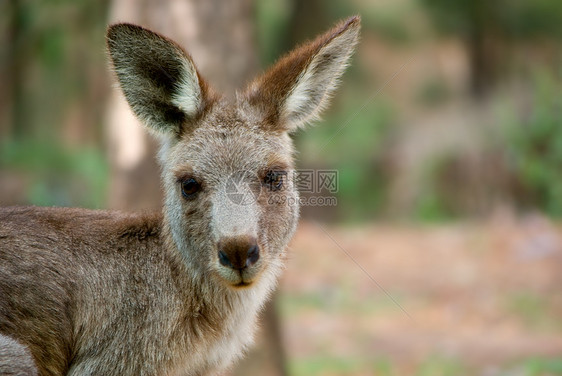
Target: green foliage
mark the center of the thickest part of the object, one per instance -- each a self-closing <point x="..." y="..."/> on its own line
<point x="508" y="18"/>
<point x="324" y="365"/>
<point x="523" y="18"/>
<point x="352" y="140"/>
<point x="534" y="311"/>
<point x="430" y="208"/>
<point x="388" y="22"/>
<point x="531" y="308"/>
<point x="543" y="367"/>
<point x="51" y="48"/>
<point x="432" y="366"/>
<point x="534" y="146"/>
<point x="440" y="366"/>
<point x="58" y="49"/>
<point x="58" y="176"/>
<point x="458" y="16"/>
<point x="433" y="91"/>
<point x="332" y="365"/>
<point x="272" y="17"/>
<point x="432" y="205"/>
<point x="340" y="300"/>
<point x="534" y="367"/>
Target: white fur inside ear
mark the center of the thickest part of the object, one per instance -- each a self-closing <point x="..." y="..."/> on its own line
<point x="318" y="81"/>
<point x="187" y="96"/>
<point x="299" y="98"/>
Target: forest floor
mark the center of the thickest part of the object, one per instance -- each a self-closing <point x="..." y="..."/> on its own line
<point x="454" y="299"/>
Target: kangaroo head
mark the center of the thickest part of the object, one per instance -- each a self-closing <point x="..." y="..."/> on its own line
<point x="227" y="165"/>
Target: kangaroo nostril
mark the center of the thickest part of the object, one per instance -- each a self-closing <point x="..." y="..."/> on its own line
<point x="238" y="253"/>
<point x="224" y="260"/>
<point x="253" y="255"/>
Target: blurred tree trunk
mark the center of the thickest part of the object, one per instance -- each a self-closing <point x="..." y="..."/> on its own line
<point x="219" y="36"/>
<point x="479" y="79"/>
<point x="134" y="176"/>
<point x="308" y="19"/>
<point x="16" y="67"/>
<point x="83" y="110"/>
<point x="481" y="25"/>
<point x="478" y="42"/>
<point x="6" y="40"/>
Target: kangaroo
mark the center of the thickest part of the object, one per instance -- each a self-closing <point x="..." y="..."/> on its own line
<point x="87" y="292"/>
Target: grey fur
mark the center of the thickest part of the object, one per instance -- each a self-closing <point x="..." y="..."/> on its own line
<point x="107" y="293"/>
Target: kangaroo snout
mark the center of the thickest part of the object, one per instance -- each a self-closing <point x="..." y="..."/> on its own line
<point x="238" y="252"/>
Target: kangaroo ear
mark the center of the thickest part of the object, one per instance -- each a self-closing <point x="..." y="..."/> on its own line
<point x="296" y="89"/>
<point x="159" y="79"/>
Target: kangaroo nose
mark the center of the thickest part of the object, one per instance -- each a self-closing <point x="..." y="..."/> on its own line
<point x="238" y="252"/>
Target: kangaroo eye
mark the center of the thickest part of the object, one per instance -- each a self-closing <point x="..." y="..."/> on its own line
<point x="274" y="180"/>
<point x="189" y="187"/>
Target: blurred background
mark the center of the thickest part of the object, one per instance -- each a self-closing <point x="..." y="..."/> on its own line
<point x="443" y="255"/>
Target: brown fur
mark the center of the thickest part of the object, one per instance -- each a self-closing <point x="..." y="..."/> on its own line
<point x="110" y="293"/>
<point x="270" y="90"/>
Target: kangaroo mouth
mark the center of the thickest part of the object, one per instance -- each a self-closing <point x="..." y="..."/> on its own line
<point x="239" y="279"/>
<point x="244" y="280"/>
<point x="243" y="284"/>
